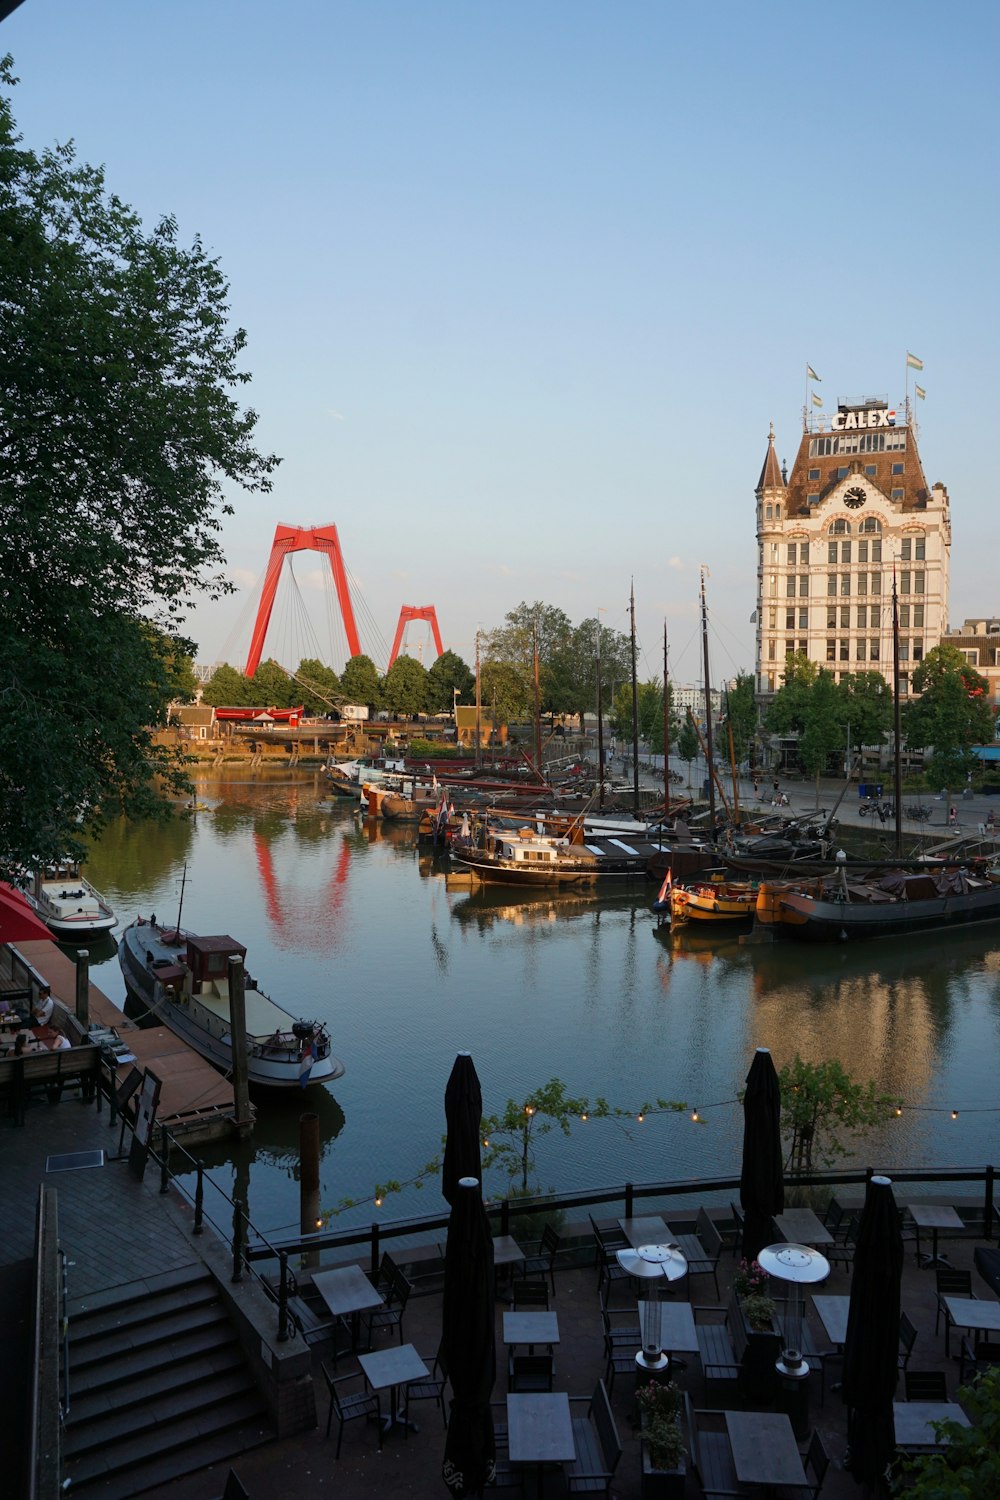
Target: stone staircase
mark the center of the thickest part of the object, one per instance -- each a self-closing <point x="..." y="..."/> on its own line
<point x="159" y="1386"/>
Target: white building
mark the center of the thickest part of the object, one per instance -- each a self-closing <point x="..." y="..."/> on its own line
<point x="829" y="535"/>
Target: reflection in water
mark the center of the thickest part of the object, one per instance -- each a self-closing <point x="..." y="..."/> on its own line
<point x="537" y="985"/>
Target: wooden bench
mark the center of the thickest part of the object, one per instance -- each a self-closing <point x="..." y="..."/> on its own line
<point x="720" y="1363"/>
<point x="597" y="1446"/>
<point x="712" y="1454"/>
<point x="702" y="1249"/>
<point x="51" y="1072"/>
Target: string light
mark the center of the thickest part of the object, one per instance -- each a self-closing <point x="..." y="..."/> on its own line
<point x="583" y="1117"/>
<point x="694" y="1116"/>
<point x="378" y="1202"/>
<point x="954" y="1114"/>
<point x="640" y="1118"/>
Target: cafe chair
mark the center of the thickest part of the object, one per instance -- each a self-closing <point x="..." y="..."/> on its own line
<point x="977" y="1357"/>
<point x="925" y="1385"/>
<point x="508" y="1476"/>
<point x="527" y="1293"/>
<point x="427" y="1388"/>
<point x="907" y="1339"/>
<point x="348" y="1406"/>
<point x="816" y="1462"/>
<point x="529" y="1372"/>
<point x="543" y="1262"/>
<point x="841" y="1253"/>
<point x="951" y="1282"/>
<point x="396" y="1294"/>
<point x="702" y="1250"/>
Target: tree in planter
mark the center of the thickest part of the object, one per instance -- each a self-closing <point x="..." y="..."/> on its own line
<point x="659" y="1405"/>
<point x="820" y="1104"/>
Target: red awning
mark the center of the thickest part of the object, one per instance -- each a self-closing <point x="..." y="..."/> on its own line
<point x="18" y="923"/>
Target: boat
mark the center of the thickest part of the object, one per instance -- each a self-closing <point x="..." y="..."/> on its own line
<point x="68" y="904"/>
<point x="887" y="903"/>
<point x="713" y="900"/>
<point x="526" y="857"/>
<point x="183" y="980"/>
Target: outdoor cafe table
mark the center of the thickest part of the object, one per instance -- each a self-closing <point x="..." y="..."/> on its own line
<point x="648" y="1231"/>
<point x="539" y="1428"/>
<point x="347" y="1290"/>
<point x="800" y="1226"/>
<point x="386" y="1369"/>
<point x="530" y="1327"/>
<point x="913" y="1422"/>
<point x="677" y="1333"/>
<point x="832" y="1313"/>
<point x="506" y="1253"/>
<point x="764" y="1450"/>
<point x="935" y="1217"/>
<point x="974" y="1314"/>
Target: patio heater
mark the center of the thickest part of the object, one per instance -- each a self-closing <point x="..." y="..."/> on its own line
<point x="653" y="1264"/>
<point x="799" y="1265"/>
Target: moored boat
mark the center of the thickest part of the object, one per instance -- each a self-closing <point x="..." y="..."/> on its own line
<point x="183" y="980"/>
<point x="886" y="904"/>
<point x="714" y="900"/>
<point x="526" y="857"/>
<point x="68" y="904"/>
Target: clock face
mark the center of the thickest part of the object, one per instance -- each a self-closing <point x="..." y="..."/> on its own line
<point x="855" y="498"/>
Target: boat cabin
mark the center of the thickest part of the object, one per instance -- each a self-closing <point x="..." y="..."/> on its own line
<point x="208" y="962"/>
<point x="525" y="847"/>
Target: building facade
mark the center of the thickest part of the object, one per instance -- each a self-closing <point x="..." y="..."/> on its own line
<point x="855" y="507"/>
<point x="979" y="642"/>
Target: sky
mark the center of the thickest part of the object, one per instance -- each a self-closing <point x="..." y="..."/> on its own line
<point x="525" y="284"/>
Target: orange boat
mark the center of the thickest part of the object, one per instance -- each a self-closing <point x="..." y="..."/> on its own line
<point x="715" y="900"/>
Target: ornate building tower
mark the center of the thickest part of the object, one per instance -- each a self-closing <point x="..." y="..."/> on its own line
<point x="856" y="506"/>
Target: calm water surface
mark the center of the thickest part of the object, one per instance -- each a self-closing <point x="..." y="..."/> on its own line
<point x="360" y="931"/>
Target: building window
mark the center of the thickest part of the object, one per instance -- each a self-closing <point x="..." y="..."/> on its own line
<point x="877" y="550"/>
<point x="842" y="473"/>
<point x="918" y="650"/>
<point x="918" y="582"/>
<point x="840" y="527"/>
<point x="919" y="548"/>
<point x="804" y="647"/>
<point x="918" y="616"/>
<point x="803" y="585"/>
<point x="803" y="553"/>
<point x="906" y="549"/>
<point x="870" y="523"/>
<point x="897" y="495"/>
<point x="873" y="649"/>
<point x="812" y="499"/>
<point x="904" y="650"/>
<point x="777" y="512"/>
<point x="771" y="650"/>
<point x="845" y="649"/>
<point x="862" y="583"/>
<point x="845" y="552"/>
<point x="790" y="585"/>
<point x="861" y="648"/>
<point x="870" y="470"/>
<point x="769" y="511"/>
<point x="862" y="617"/>
<point x="789" y="648"/>
<point x="845" y="617"/>
<point x="904" y="581"/>
<point x="862" y="552"/>
<point x="813" y="473"/>
<point x="972" y="657"/>
<point x="792" y="553"/>
<point x="831" y="552"/>
<point x="772" y="619"/>
<point x="831" y="649"/>
<point x="904" y="617"/>
<point x="789" y="619"/>
<point x="803" y="619"/>
<point x="831" y="583"/>
<point x="904" y="683"/>
<point x="897" y="468"/>
<point x="845" y="583"/>
<point x="875" y="583"/>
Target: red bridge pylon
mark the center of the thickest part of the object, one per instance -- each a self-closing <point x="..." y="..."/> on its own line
<point x="410" y="612"/>
<point x="302" y="539"/>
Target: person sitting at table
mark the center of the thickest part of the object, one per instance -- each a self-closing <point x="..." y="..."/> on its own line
<point x="24" y="1042"/>
<point x="43" y="1006"/>
<point x="58" y="1042"/>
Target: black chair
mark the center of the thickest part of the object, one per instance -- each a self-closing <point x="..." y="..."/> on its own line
<point x="702" y="1250"/>
<point x="544" y="1261"/>
<point x="349" y="1406"/>
<point x="977" y="1357"/>
<point x="951" y="1282"/>
<point x="841" y="1253"/>
<point x="907" y="1339"/>
<point x="428" y="1388"/>
<point x="737" y="1213"/>
<point x="391" y="1315"/>
<point x="816" y="1463"/>
<point x="529" y="1372"/>
<point x="529" y="1291"/>
<point x="925" y="1385"/>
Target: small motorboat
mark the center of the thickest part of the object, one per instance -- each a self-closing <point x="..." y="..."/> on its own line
<point x="714" y="900"/>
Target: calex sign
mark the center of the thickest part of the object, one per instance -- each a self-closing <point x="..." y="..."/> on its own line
<point x="868" y="416"/>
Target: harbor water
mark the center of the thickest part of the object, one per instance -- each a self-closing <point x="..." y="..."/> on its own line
<point x="355" y="927"/>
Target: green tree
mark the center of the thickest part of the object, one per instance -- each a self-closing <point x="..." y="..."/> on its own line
<point x="446" y="674"/>
<point x="967" y="1467"/>
<point x="867" y="707"/>
<point x="823" y="734"/>
<point x="271" y="687"/>
<point x="317" y="686"/>
<point x="404" y="686"/>
<point x="788" y="712"/>
<point x="741" y="712"/>
<point x="503" y="688"/>
<point x="616" y="665"/>
<point x="951" y="715"/>
<point x="687" y="747"/>
<point x="359" y="681"/>
<point x="824" y="1111"/>
<point x="510" y="1136"/>
<point x="514" y="643"/>
<point x="227" y="688"/>
<point x="118" y="363"/>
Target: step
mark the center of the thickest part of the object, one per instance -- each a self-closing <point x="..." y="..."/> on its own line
<point x="159" y="1469"/>
<point x="138" y="1290"/>
<point x="105" y="1431"/>
<point x="148" y="1336"/>
<point x="181" y="1436"/>
<point x="142" y="1311"/>
<point x="138" y="1385"/>
<point x="133" y="1362"/>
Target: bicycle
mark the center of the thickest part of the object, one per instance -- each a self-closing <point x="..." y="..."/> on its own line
<point x="919" y="813"/>
<point x="877" y="809"/>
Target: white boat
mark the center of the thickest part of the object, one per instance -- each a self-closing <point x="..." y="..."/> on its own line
<point x="69" y="905"/>
<point x="183" y="980"/>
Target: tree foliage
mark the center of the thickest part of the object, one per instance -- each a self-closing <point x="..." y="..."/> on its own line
<point x="741" y="713"/>
<point x="404" y="686"/>
<point x="567" y="659"/>
<point x="824" y="1111"/>
<point x="967" y="1467"/>
<point x="119" y="431"/>
<point x="227" y="688"/>
<point x="317" y="686"/>
<point x="951" y="715"/>
<point x="446" y="674"/>
<point x="359" y="681"/>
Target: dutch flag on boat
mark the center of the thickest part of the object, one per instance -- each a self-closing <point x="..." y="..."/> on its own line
<point x="306" y="1063"/>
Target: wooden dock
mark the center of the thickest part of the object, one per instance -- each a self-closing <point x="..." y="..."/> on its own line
<point x="196" y="1100"/>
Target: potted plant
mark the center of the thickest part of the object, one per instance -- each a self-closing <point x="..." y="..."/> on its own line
<point x="664" y="1469"/>
<point x="757" y="1341"/>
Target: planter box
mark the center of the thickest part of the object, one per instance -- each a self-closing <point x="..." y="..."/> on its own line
<point x="758" y="1350"/>
<point x="662" y="1484"/>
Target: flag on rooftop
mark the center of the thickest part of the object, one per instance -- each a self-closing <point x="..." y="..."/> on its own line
<point x="919" y="390"/>
<point x="811" y="374"/>
<point x="912" y="362"/>
<point x="817" y="400"/>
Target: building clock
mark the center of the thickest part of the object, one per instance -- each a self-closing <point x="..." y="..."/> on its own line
<point x="855" y="498"/>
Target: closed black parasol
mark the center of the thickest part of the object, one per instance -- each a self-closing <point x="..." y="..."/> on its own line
<point x="871" y="1350"/>
<point x="463" y="1112"/>
<point x="762" y="1180"/>
<point x="468" y="1353"/>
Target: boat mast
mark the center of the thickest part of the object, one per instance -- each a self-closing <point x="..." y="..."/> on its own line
<point x="600" y="720"/>
<point x="538" y="709"/>
<point x="709" y="756"/>
<point x="635" y="712"/>
<point x="896" y="756"/>
<point x="479" y="709"/>
<point x="666" y="728"/>
<point x="180" y="904"/>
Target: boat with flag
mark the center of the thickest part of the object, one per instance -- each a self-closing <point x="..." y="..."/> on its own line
<point x="183" y="981"/>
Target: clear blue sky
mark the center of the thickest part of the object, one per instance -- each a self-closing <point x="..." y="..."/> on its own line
<point x="525" y="283"/>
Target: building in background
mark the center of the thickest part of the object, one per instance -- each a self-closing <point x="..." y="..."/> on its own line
<point x="979" y="642"/>
<point x="856" y="505"/>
